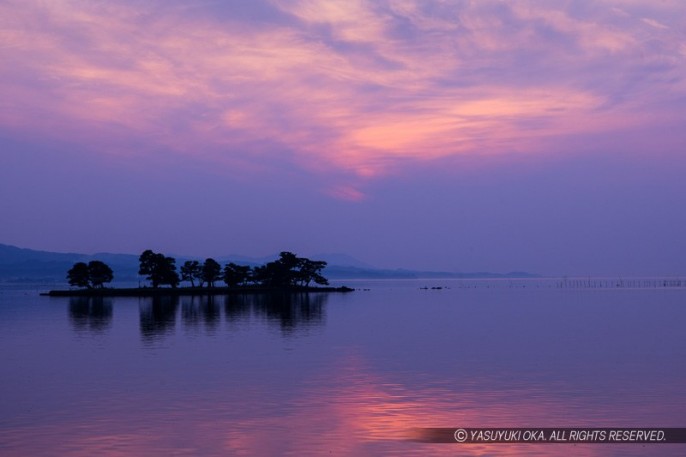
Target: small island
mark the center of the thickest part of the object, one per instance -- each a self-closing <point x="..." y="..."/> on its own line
<point x="289" y="273"/>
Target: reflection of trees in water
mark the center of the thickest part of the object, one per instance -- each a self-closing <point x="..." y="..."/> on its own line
<point x="158" y="316"/>
<point x="289" y="310"/>
<point x="198" y="309"/>
<point x="237" y="308"/>
<point x="90" y="313"/>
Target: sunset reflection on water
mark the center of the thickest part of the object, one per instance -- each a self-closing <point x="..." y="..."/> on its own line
<point x="349" y="410"/>
<point x="319" y="377"/>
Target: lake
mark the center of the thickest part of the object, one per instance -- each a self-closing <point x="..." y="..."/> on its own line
<point x="339" y="374"/>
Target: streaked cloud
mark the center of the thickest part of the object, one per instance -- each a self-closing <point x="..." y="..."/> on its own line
<point x="351" y="89"/>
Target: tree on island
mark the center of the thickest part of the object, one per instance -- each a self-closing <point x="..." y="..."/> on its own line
<point x="99" y="273"/>
<point x="236" y="275"/>
<point x="190" y="271"/>
<point x="310" y="270"/>
<point x="211" y="272"/>
<point x="92" y="275"/>
<point x="289" y="271"/>
<point x="78" y="275"/>
<point x="158" y="269"/>
<point x="272" y="274"/>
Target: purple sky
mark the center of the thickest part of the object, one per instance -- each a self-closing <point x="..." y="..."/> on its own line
<point x="434" y="134"/>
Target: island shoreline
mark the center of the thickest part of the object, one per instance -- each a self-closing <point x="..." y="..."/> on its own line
<point x="188" y="291"/>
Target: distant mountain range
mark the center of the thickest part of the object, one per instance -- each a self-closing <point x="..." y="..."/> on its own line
<point x="27" y="265"/>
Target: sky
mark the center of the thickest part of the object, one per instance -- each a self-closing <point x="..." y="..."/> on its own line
<point x="452" y="135"/>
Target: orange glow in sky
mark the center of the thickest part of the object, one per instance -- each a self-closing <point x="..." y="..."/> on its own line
<point x="364" y="113"/>
<point x="457" y="79"/>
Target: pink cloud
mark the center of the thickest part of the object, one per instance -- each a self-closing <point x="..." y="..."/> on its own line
<point x="360" y="87"/>
<point x="346" y="193"/>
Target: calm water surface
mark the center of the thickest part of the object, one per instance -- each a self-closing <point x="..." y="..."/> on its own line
<point x="338" y="374"/>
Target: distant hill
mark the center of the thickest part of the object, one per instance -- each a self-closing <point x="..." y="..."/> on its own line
<point x="22" y="265"/>
<point x="27" y="265"/>
<point x="343" y="272"/>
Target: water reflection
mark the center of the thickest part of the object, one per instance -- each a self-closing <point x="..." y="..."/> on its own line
<point x="200" y="309"/>
<point x="158" y="316"/>
<point x="289" y="311"/>
<point x="90" y="313"/>
<point x="346" y="408"/>
<point x="385" y="363"/>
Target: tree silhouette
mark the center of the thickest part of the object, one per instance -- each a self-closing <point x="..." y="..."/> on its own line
<point x="148" y="262"/>
<point x="236" y="275"/>
<point x="310" y="270"/>
<point x="290" y="270"/>
<point x="272" y="274"/>
<point x="78" y="275"/>
<point x="211" y="272"/>
<point x="158" y="269"/>
<point x="99" y="273"/>
<point x="95" y="274"/>
<point x="190" y="271"/>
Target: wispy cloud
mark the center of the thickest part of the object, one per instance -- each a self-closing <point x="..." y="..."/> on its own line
<point x="359" y="87"/>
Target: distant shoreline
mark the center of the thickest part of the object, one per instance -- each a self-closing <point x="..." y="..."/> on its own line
<point x="186" y="291"/>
